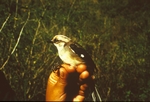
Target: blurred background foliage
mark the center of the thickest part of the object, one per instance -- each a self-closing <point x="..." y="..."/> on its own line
<point x="116" y="33"/>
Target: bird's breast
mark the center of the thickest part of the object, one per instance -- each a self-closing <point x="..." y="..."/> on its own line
<point x="69" y="57"/>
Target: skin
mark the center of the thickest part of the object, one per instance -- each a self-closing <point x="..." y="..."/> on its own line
<point x="69" y="83"/>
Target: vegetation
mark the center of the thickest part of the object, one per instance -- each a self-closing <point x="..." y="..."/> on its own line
<point x="115" y="32"/>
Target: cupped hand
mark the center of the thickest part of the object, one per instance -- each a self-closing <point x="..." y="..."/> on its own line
<point x="69" y="83"/>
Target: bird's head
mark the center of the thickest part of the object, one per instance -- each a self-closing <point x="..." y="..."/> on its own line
<point x="60" y="40"/>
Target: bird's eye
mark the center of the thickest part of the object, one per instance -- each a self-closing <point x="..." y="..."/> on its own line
<point x="56" y="40"/>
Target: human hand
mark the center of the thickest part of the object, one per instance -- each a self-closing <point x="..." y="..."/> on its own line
<point x="69" y="83"/>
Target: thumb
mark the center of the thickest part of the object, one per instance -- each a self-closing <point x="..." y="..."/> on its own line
<point x="56" y="85"/>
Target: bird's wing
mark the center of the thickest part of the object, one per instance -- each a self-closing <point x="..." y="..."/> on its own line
<point x="81" y="52"/>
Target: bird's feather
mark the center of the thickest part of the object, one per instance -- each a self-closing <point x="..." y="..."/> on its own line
<point x="81" y="52"/>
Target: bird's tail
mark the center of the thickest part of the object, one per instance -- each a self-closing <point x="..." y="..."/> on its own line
<point x="95" y="95"/>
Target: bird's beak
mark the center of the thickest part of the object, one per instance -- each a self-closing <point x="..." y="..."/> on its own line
<point x="50" y="41"/>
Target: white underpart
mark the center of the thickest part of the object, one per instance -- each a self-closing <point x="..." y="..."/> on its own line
<point x="65" y="55"/>
<point x="67" y="58"/>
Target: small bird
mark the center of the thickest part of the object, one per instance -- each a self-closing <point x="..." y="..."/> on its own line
<point x="74" y="54"/>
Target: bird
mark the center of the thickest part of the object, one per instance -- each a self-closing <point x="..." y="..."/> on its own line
<point x="74" y="54"/>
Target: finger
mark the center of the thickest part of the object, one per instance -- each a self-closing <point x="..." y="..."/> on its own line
<point x="83" y="87"/>
<point x="62" y="76"/>
<point x="53" y="77"/>
<point x="84" y="75"/>
<point x="81" y="67"/>
<point x="56" y="85"/>
<point x="69" y="69"/>
<point x="81" y="95"/>
<point x="86" y="82"/>
<point x="79" y="98"/>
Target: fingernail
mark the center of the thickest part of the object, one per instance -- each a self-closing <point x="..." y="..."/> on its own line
<point x="62" y="74"/>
